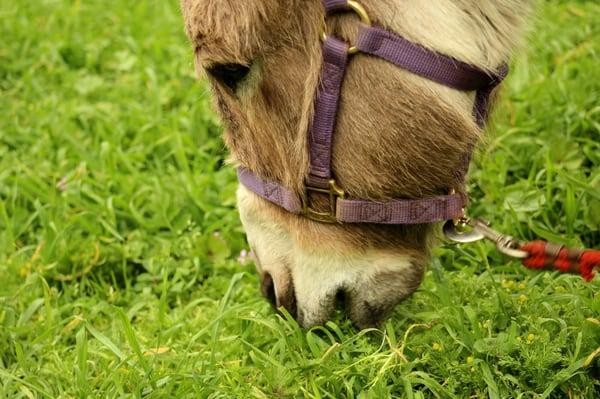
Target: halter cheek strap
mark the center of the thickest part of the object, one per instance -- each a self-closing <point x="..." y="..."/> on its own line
<point x="378" y="42"/>
<point x="320" y="137"/>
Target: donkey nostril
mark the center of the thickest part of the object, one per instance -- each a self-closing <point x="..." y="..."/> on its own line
<point x="280" y="293"/>
<point x="268" y="289"/>
<point x="287" y="299"/>
<point x="341" y="300"/>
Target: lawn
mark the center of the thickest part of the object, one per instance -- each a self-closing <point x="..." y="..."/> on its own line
<point x="121" y="254"/>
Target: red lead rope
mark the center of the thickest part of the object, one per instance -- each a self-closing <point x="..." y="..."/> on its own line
<point x="544" y="255"/>
<point x="536" y="255"/>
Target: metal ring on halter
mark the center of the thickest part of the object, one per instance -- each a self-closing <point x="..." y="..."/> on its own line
<point x="458" y="231"/>
<point x="359" y="10"/>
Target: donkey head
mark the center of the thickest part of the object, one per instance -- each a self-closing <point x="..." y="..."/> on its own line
<point x="397" y="136"/>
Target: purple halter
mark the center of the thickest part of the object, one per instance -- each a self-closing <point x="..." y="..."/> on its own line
<point x="380" y="43"/>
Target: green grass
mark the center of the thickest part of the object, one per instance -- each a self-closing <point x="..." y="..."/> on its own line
<point x="119" y="238"/>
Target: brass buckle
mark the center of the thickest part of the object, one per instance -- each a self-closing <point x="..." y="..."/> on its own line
<point x="334" y="193"/>
<point x="359" y="10"/>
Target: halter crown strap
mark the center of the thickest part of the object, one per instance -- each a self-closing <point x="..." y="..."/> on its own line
<point x="419" y="60"/>
<point x="434" y="66"/>
<point x="332" y="6"/>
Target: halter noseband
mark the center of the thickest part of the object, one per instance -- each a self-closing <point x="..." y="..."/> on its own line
<point x="374" y="41"/>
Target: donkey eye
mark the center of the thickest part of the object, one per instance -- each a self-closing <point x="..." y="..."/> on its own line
<point x="229" y="75"/>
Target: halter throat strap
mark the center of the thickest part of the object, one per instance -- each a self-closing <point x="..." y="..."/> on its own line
<point x="377" y="42"/>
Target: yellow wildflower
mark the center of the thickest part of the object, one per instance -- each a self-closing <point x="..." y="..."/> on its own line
<point x="508" y="284"/>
